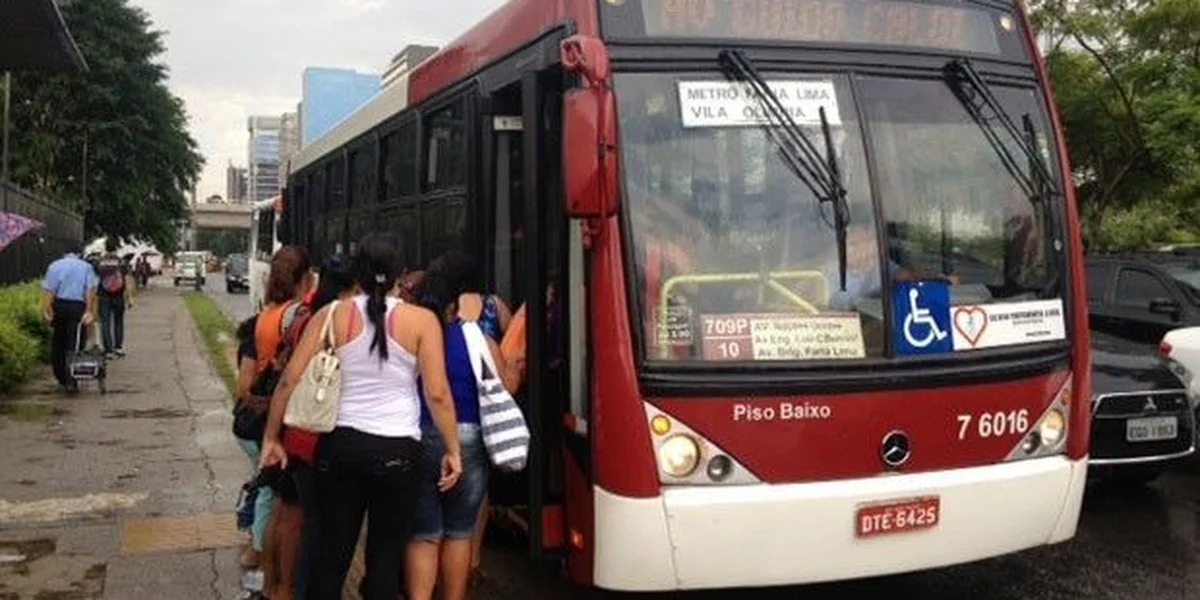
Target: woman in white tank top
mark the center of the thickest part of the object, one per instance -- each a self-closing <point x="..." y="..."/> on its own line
<point x="368" y="463"/>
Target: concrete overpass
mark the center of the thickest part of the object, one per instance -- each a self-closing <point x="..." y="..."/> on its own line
<point x="216" y="216"/>
<point x="221" y="216"/>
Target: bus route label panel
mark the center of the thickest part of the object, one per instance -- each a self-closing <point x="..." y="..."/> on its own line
<point x="884" y="23"/>
<point x="735" y="104"/>
<point x="782" y="337"/>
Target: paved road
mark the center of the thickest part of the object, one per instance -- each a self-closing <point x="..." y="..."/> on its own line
<point x="1130" y="545"/>
<point x="236" y="306"/>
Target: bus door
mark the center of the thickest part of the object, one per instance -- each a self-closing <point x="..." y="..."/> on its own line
<point x="504" y="251"/>
<point x="533" y="263"/>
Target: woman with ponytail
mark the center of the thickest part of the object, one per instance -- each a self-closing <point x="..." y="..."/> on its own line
<point x="368" y="464"/>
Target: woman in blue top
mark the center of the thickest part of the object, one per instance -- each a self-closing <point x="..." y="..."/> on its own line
<point x="445" y="522"/>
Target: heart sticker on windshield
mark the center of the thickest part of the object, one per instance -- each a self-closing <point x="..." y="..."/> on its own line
<point x="970" y="321"/>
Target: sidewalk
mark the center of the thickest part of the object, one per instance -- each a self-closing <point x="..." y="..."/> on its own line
<point x="127" y="496"/>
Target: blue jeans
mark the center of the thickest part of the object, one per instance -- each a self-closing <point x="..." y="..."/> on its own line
<point x="452" y="514"/>
<point x="112" y="322"/>
<point x="262" y="504"/>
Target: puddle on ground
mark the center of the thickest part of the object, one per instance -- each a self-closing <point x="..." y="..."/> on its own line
<point x="32" y="570"/>
<point x="17" y="554"/>
<point x="31" y="412"/>
<point x="149" y="413"/>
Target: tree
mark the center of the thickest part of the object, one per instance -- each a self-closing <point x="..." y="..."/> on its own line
<point x="118" y="123"/>
<point x="1126" y="75"/>
<point x="222" y="242"/>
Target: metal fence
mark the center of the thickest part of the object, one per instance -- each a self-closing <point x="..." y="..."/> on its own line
<point x="27" y="258"/>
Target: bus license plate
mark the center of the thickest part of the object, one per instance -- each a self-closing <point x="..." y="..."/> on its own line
<point x="1151" y="429"/>
<point x="897" y="517"/>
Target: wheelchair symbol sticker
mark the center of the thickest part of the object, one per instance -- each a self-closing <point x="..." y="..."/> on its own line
<point x="922" y="318"/>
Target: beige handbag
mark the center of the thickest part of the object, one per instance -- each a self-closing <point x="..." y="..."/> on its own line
<point x="314" y="402"/>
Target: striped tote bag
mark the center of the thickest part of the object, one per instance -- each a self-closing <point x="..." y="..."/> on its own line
<point x="505" y="434"/>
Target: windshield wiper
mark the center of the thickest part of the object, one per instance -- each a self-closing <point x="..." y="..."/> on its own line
<point x="976" y="96"/>
<point x="981" y="104"/>
<point x="822" y="177"/>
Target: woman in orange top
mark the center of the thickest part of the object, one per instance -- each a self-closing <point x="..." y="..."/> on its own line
<point x="290" y="280"/>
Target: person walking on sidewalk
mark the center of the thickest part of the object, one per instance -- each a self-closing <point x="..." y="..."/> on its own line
<point x="114" y="297"/>
<point x="68" y="299"/>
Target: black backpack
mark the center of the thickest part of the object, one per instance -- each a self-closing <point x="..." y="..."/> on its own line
<point x="250" y="423"/>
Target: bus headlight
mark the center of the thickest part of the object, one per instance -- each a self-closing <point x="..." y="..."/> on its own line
<point x="679" y="455"/>
<point x="1051" y="429"/>
<point x="1048" y="435"/>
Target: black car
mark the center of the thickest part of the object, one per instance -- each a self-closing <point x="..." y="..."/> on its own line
<point x="1142" y="418"/>
<point x="237" y="273"/>
<point x="1142" y="297"/>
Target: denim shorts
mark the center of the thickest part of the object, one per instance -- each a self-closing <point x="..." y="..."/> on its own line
<point x="453" y="514"/>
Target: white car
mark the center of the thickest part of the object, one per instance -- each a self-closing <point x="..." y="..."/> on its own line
<point x="1182" y="349"/>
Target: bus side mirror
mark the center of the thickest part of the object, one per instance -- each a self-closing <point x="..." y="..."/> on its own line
<point x="586" y="55"/>
<point x="589" y="132"/>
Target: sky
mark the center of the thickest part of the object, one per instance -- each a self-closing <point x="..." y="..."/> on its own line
<point x="232" y="59"/>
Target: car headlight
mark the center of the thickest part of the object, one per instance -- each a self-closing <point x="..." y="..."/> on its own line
<point x="679" y="455"/>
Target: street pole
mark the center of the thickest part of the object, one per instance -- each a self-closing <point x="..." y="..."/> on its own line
<point x="83" y="176"/>
<point x="4" y="150"/>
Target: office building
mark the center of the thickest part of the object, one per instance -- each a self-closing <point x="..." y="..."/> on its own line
<point x="404" y="61"/>
<point x="262" y="177"/>
<point x="330" y="95"/>
<point x="235" y="184"/>
<point x="289" y="142"/>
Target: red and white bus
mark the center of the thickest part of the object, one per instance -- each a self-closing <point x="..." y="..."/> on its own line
<point x="811" y="273"/>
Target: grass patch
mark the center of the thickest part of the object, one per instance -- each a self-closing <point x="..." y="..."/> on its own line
<point x="24" y="337"/>
<point x="218" y="333"/>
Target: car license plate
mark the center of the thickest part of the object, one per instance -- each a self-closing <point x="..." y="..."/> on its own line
<point x="896" y="517"/>
<point x="1151" y="429"/>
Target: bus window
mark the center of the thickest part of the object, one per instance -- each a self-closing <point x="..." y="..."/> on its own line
<point x="402" y="221"/>
<point x="362" y="173"/>
<point x="400" y="162"/>
<point x="443" y="227"/>
<point x="446" y="149"/>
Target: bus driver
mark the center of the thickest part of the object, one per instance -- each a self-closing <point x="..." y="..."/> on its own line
<point x="862" y="270"/>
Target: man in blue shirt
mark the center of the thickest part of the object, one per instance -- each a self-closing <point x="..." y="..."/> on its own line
<point x="68" y="300"/>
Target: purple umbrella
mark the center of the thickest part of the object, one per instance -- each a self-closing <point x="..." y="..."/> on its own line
<point x="13" y="226"/>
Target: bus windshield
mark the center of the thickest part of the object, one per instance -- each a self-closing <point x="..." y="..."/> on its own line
<point x="736" y="259"/>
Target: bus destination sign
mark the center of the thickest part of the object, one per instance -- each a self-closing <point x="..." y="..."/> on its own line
<point x="868" y="22"/>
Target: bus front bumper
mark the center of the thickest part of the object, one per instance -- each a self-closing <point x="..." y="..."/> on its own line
<point x="763" y="535"/>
